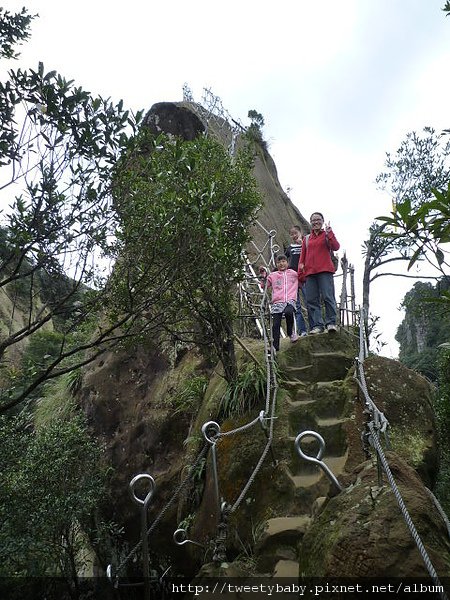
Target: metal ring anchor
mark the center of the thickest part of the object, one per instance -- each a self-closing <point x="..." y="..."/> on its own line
<point x="262" y="422"/>
<point x="132" y="486"/>
<point x="113" y="579"/>
<point x="317" y="460"/>
<point x="180" y="538"/>
<point x="210" y="431"/>
<point x="144" y="525"/>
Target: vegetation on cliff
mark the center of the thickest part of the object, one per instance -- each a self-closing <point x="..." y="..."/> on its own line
<point x="184" y="209"/>
<point x="58" y="143"/>
<point x="51" y="482"/>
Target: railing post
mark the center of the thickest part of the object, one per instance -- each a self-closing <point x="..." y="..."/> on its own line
<point x="210" y="431"/>
<point x="144" y="503"/>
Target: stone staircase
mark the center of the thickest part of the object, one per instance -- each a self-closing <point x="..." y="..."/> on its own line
<point x="314" y="398"/>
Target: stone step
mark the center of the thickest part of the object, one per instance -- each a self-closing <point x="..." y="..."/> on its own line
<point x="287" y="526"/>
<point x="319" y="366"/>
<point x="331" y="421"/>
<point x="331" y="397"/>
<point x="296" y="389"/>
<point x="280" y="541"/>
<point x="305" y="481"/>
<point x="294" y="383"/>
<point x="313" y="473"/>
<point x="315" y="407"/>
<point x="302" y="374"/>
<point x="334" y="364"/>
<point x="287" y="568"/>
<point x="300" y="466"/>
<point x="293" y="405"/>
<point x="331" y="429"/>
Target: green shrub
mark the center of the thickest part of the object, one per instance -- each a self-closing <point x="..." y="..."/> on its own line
<point x="189" y="397"/>
<point x="442" y="408"/>
<point x="246" y="392"/>
<point x="56" y="402"/>
<point x="51" y="483"/>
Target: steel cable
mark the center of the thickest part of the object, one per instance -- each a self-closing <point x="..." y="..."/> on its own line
<point x="415" y="535"/>
<point x="380" y="423"/>
<point x="165" y="508"/>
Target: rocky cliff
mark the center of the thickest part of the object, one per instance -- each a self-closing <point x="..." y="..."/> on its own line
<point x="187" y="119"/>
<point x="291" y="519"/>
<point x="283" y="515"/>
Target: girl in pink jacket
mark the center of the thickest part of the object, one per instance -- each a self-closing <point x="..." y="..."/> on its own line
<point x="284" y="284"/>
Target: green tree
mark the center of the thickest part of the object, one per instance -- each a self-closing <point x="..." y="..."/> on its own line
<point x="426" y="230"/>
<point x="426" y="325"/>
<point x="58" y="144"/>
<point x="14" y="29"/>
<point x="254" y="131"/>
<point x="420" y="165"/>
<point x="185" y="209"/>
<point x="51" y="483"/>
<point x="416" y="177"/>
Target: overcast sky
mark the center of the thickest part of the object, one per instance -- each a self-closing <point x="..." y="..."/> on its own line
<point x="339" y="84"/>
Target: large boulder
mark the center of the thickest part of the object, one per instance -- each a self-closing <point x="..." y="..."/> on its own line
<point x="405" y="397"/>
<point x="362" y="532"/>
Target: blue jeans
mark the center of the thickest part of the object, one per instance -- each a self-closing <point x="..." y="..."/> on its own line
<point x="321" y="285"/>
<point x="301" y="323"/>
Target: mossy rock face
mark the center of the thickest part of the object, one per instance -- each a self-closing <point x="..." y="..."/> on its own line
<point x="270" y="494"/>
<point x="127" y="398"/>
<point x="361" y="532"/>
<point x="404" y="397"/>
<point x="318" y="358"/>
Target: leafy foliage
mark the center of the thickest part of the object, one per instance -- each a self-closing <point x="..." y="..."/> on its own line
<point x="442" y="407"/>
<point x="420" y="165"/>
<point x="189" y="397"/>
<point x="419" y="226"/>
<point x="426" y="325"/>
<point x="246" y="392"/>
<point x="185" y="209"/>
<point x="426" y="229"/>
<point x="419" y="168"/>
<point x="418" y="179"/>
<point x="14" y="28"/>
<point x="254" y="131"/>
<point x="378" y="251"/>
<point x="58" y="144"/>
<point x="51" y="483"/>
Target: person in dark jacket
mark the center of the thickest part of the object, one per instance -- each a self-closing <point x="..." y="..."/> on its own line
<point x="293" y="254"/>
<point x="316" y="266"/>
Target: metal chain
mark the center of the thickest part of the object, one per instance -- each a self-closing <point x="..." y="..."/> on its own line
<point x="272" y="385"/>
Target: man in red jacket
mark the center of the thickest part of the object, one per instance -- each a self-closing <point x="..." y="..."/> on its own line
<point x="316" y="267"/>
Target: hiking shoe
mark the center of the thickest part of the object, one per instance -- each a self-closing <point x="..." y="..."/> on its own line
<point x="294" y="337"/>
<point x="303" y="334"/>
<point x="331" y="328"/>
<point x="316" y="330"/>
